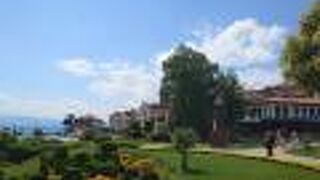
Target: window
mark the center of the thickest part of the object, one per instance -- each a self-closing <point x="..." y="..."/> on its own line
<point x="259" y="113"/>
<point x="253" y="112"/>
<point x="296" y="111"/>
<point x="311" y="111"/>
<point x="277" y="111"/>
<point x="285" y="112"/>
<point x="304" y="112"/>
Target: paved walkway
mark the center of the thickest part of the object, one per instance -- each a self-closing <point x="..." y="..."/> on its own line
<point x="155" y="146"/>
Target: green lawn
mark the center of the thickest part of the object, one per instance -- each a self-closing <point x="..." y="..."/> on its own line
<point x="21" y="171"/>
<point x="203" y="166"/>
<point x="220" y="167"/>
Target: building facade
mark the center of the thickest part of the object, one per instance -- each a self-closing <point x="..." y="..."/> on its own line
<point x="153" y="113"/>
<point x="120" y="120"/>
<point x="283" y="107"/>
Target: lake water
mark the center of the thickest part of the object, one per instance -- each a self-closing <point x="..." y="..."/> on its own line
<point x="26" y="125"/>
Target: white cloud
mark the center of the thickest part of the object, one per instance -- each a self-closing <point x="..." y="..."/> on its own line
<point x="244" y="42"/>
<point x="125" y="85"/>
<point x="80" y="67"/>
<point x="120" y="83"/>
<point x="246" y="46"/>
<point x="259" y="77"/>
<point x="10" y="105"/>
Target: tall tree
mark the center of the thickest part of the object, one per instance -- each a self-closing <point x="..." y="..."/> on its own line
<point x="230" y="107"/>
<point x="300" y="59"/>
<point x="69" y="122"/>
<point x="187" y="87"/>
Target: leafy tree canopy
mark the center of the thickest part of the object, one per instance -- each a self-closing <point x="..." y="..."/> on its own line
<point x="191" y="87"/>
<point x="186" y="87"/>
<point x="300" y="59"/>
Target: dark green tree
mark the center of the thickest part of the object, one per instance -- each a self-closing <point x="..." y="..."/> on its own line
<point x="69" y="122"/>
<point x="109" y="161"/>
<point x="300" y="59"/>
<point x="187" y="87"/>
<point x="38" y="133"/>
<point x="148" y="127"/>
<point x="73" y="173"/>
<point x="135" y="130"/>
<point x="44" y="167"/>
<point x="60" y="156"/>
<point x="230" y="107"/>
<point x="69" y="119"/>
<point x="2" y="175"/>
<point x="161" y="132"/>
<point x="55" y="158"/>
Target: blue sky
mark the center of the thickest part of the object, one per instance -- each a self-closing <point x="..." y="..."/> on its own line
<point x="96" y="56"/>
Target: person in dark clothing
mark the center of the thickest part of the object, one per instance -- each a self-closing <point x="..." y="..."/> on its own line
<point x="270" y="143"/>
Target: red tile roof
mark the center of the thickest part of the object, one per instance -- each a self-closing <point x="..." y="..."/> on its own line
<point x="283" y="100"/>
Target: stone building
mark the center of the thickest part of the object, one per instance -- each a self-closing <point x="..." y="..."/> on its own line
<point x="119" y="121"/>
<point x="154" y="113"/>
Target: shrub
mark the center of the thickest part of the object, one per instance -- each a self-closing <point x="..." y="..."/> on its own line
<point x="16" y="152"/>
<point x="134" y="130"/>
<point x="73" y="173"/>
<point x="138" y="168"/>
<point x="143" y="169"/>
<point x="2" y="174"/>
<point x="161" y="132"/>
<point x="37" y="177"/>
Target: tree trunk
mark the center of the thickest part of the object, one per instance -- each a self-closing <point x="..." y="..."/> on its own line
<point x="184" y="161"/>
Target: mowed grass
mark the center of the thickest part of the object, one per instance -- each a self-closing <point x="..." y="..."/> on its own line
<point x="221" y="167"/>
